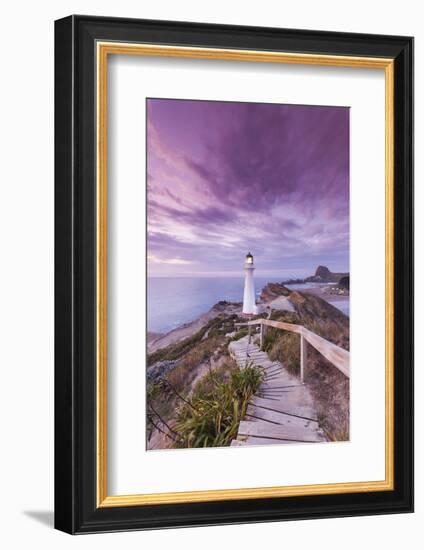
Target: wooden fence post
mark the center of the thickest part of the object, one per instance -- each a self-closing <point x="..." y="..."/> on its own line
<point x="336" y="355"/>
<point x="303" y="357"/>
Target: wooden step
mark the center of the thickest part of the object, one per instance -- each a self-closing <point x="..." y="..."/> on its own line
<point x="273" y="431"/>
<point x="275" y="386"/>
<point x="249" y="350"/>
<point x="302" y="408"/>
<point x="270" y="364"/>
<point x="250" y="441"/>
<point x="282" y="412"/>
<point x="274" y="391"/>
<point x="275" y="417"/>
<point x="273" y="371"/>
<point x="270" y="395"/>
<point x="256" y="360"/>
<point x="268" y="388"/>
<point x="280" y="379"/>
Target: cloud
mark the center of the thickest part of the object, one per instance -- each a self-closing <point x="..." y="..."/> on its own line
<point x="227" y="177"/>
<point x="170" y="261"/>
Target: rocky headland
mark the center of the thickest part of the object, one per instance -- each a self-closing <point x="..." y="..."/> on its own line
<point x="338" y="283"/>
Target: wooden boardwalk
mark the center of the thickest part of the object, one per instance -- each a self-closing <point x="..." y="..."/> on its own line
<point x="282" y="412"/>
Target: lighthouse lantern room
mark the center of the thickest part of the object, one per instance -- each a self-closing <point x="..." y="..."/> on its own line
<point x="249" y="302"/>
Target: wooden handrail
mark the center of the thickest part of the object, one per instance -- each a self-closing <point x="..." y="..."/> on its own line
<point x="337" y="356"/>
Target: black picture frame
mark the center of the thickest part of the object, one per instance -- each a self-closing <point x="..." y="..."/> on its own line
<point x="76" y="510"/>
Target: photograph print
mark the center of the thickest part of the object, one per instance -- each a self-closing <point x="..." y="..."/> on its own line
<point x="247" y="274"/>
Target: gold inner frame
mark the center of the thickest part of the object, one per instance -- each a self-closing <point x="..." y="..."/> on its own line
<point x="104" y="49"/>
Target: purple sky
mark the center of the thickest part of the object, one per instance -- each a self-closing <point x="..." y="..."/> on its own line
<point x="226" y="178"/>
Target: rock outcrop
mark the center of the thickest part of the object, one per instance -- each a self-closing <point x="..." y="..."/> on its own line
<point x="159" y="369"/>
<point x="324" y="275"/>
<point x="272" y="291"/>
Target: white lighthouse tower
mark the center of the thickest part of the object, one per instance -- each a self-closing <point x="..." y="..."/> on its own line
<point x="249" y="302"/>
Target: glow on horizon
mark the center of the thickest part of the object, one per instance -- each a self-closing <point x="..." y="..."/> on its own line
<point x="282" y="274"/>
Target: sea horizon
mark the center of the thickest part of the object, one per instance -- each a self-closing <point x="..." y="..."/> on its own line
<point x="236" y="275"/>
<point x="172" y="305"/>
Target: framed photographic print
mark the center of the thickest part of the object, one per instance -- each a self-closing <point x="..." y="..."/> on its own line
<point x="234" y="269"/>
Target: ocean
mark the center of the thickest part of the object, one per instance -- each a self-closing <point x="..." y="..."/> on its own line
<point x="172" y="302"/>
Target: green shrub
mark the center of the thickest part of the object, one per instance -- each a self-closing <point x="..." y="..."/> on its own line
<point x="219" y="402"/>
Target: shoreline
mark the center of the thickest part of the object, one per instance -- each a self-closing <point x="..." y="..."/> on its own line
<point x="327" y="297"/>
<point x="155" y="340"/>
<point x="188" y="329"/>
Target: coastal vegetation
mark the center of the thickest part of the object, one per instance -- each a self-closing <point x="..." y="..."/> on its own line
<point x="216" y="327"/>
<point x="197" y="395"/>
<point x="212" y="416"/>
<point x="209" y="414"/>
<point x="190" y="359"/>
<point x="284" y="347"/>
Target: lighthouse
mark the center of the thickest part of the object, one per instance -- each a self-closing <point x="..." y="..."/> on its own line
<point x="249" y="302"/>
